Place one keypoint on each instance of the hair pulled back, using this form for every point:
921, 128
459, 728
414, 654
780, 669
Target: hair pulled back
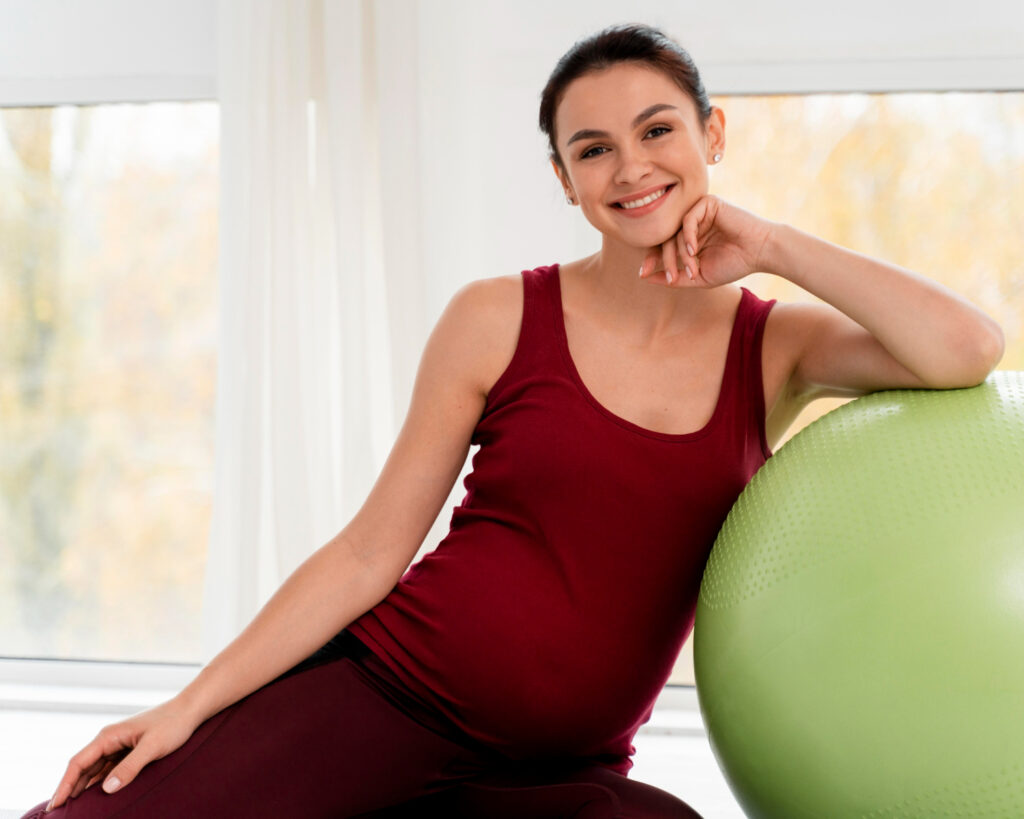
631, 42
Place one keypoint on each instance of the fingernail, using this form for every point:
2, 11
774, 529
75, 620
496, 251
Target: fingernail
112, 784
641, 273
689, 272
49, 807
690, 248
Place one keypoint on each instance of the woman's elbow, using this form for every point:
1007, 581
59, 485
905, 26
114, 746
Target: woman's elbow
992, 347
985, 354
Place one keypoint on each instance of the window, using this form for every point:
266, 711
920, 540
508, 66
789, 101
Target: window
933, 182
108, 303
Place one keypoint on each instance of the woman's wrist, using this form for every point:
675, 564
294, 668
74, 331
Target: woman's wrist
771, 258
190, 700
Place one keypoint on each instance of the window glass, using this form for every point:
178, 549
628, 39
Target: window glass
108, 294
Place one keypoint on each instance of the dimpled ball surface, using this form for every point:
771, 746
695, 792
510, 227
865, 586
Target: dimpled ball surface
859, 636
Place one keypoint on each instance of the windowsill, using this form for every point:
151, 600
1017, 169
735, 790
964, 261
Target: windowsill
127, 688
88, 686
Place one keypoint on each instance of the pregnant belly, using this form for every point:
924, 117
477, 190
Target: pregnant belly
536, 670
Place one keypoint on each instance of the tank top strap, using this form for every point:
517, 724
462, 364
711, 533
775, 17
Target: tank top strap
536, 350
744, 369
540, 303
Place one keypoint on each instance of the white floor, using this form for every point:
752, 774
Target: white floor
672, 753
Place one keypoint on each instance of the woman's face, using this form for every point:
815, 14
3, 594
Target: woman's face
669, 147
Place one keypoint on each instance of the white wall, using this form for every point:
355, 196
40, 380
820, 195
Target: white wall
90, 51
83, 51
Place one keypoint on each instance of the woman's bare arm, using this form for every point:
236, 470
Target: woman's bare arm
331, 588
883, 326
359, 567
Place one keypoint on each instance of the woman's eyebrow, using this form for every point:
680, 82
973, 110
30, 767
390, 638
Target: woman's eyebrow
647, 113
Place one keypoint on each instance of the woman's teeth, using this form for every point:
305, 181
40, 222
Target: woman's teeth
639, 203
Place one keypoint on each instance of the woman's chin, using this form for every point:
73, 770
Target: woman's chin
647, 239
645, 233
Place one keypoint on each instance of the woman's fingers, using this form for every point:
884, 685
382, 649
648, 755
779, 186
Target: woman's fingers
91, 758
85, 777
643, 266
669, 253
107, 768
672, 270
79, 763
687, 252
96, 773
692, 220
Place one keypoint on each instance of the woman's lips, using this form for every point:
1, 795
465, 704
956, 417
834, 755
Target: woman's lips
645, 209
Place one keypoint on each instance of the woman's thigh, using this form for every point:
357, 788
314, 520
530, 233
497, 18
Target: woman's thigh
545, 790
319, 741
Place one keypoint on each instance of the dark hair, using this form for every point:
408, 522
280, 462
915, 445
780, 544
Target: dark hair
632, 42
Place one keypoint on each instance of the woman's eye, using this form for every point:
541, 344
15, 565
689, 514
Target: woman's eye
590, 151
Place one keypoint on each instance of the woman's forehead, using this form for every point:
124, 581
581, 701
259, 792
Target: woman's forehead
613, 96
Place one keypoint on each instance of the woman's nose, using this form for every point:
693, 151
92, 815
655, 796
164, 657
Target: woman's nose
632, 166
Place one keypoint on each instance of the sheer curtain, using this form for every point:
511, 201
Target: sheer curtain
304, 409
372, 161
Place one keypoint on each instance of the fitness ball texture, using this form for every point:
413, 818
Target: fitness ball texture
859, 636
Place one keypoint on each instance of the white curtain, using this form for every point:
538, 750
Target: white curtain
375, 156
305, 412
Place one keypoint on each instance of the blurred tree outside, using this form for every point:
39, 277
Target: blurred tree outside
108, 242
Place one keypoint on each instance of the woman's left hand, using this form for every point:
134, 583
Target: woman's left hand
726, 243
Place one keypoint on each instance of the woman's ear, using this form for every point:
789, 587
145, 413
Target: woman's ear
715, 131
558, 173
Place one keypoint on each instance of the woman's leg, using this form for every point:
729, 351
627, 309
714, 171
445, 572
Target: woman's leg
545, 791
321, 740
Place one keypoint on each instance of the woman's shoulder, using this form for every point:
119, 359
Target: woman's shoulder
494, 306
495, 298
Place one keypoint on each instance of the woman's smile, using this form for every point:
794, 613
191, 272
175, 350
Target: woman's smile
634, 211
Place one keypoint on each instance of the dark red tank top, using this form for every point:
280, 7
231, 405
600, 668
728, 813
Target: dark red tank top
548, 619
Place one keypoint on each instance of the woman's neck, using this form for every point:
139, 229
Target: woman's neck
610, 292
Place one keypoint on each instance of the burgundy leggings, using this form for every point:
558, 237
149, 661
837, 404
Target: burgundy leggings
340, 735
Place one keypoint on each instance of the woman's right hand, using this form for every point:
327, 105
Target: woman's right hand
124, 748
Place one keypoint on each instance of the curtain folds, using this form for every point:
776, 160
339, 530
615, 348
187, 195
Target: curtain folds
304, 388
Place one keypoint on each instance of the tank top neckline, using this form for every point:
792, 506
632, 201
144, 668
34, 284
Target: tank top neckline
570, 365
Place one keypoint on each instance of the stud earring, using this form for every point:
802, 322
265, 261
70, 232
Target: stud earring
569, 199
718, 157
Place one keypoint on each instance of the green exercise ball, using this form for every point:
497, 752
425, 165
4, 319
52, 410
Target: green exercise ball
859, 635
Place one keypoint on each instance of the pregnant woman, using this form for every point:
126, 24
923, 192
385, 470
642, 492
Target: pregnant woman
620, 402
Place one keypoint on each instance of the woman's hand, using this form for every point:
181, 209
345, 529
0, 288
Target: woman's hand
725, 244
152, 734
